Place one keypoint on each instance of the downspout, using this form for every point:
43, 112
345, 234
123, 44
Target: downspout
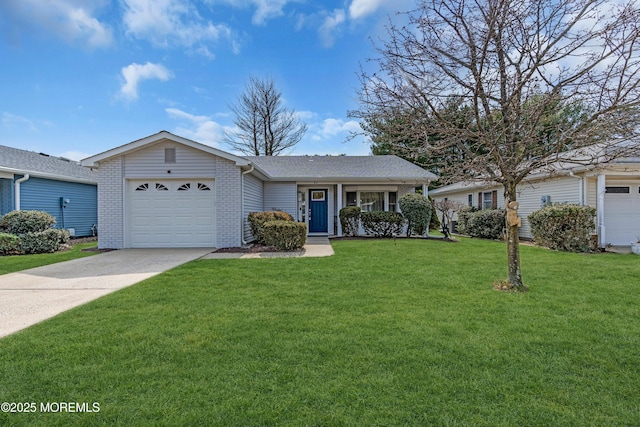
244, 242
581, 189
17, 189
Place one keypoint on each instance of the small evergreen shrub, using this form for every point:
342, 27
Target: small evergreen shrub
285, 235
9, 244
21, 222
488, 224
564, 227
464, 215
417, 212
350, 220
382, 224
43, 241
485, 224
258, 219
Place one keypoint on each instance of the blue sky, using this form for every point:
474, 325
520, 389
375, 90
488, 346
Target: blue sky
78, 77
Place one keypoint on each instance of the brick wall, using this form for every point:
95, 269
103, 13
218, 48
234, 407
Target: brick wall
228, 204
110, 204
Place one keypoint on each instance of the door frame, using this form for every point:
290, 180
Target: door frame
310, 201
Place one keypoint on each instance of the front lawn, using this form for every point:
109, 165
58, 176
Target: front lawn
382, 333
12, 263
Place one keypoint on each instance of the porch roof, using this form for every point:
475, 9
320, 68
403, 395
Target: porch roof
339, 168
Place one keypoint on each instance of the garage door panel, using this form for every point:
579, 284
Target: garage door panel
622, 221
172, 217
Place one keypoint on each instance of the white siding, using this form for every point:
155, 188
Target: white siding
149, 162
253, 199
561, 190
281, 196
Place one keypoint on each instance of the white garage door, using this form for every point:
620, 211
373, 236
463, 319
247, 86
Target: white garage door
622, 214
171, 213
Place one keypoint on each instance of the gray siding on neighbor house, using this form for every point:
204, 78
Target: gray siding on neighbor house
150, 162
81, 213
6, 195
253, 197
281, 196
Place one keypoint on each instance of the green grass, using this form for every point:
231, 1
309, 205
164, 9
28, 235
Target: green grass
385, 334
13, 263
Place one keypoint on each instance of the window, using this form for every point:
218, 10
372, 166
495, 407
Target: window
203, 187
143, 187
317, 196
487, 200
185, 187
393, 197
617, 190
470, 200
161, 187
352, 198
371, 201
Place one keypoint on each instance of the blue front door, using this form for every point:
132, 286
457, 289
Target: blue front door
318, 218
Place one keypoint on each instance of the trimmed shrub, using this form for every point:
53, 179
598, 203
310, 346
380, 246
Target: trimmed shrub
462, 225
44, 241
350, 220
284, 235
21, 222
9, 244
486, 223
382, 224
417, 212
258, 219
564, 227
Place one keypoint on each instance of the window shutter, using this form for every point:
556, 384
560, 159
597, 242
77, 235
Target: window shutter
169, 155
480, 200
494, 199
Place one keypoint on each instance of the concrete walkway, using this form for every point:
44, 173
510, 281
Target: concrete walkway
314, 247
31, 296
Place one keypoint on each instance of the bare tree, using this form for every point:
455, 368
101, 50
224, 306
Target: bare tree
447, 208
511, 67
264, 126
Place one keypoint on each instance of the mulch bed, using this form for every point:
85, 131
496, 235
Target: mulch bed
249, 249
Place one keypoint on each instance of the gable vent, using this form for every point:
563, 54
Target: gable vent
169, 155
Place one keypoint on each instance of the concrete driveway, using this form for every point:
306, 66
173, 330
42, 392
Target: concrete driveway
31, 296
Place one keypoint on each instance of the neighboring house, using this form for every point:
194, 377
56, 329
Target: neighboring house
613, 190
61, 187
169, 191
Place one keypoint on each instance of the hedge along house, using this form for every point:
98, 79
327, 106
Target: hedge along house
169, 191
58, 186
614, 190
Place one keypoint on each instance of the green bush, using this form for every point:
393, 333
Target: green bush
21, 222
486, 224
43, 241
382, 224
9, 244
350, 220
563, 227
417, 212
462, 225
284, 235
258, 219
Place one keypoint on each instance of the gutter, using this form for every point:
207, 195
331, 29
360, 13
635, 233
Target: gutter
17, 189
244, 242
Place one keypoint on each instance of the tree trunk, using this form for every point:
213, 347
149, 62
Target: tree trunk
513, 243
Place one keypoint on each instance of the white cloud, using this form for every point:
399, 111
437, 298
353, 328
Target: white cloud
172, 23
14, 121
362, 8
135, 73
332, 127
198, 128
267, 9
71, 20
330, 26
